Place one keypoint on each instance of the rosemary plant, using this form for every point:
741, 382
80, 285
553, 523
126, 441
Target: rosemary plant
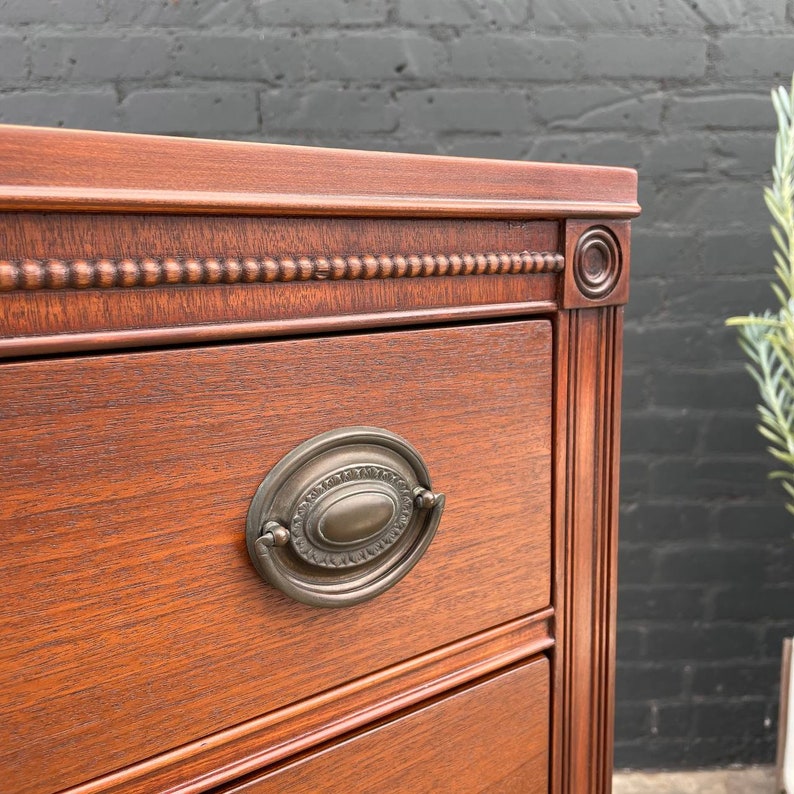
768, 339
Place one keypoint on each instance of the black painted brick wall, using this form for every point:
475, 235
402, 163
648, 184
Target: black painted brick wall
677, 88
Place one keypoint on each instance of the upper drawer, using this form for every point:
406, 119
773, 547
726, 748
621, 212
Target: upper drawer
132, 618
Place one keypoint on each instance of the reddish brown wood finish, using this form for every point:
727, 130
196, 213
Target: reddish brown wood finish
127, 479
495, 739
589, 364
141, 651
48, 319
207, 763
77, 170
597, 255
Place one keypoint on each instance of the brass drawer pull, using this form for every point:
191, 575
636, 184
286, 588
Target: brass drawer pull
343, 517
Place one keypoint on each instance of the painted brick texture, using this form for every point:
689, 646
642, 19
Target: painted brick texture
676, 88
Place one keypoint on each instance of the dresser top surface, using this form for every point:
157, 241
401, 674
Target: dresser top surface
78, 170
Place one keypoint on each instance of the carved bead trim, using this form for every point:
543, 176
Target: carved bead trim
33, 274
597, 262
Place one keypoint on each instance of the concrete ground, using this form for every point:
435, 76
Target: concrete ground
755, 780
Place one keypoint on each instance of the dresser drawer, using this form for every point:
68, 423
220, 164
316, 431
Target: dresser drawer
492, 737
133, 619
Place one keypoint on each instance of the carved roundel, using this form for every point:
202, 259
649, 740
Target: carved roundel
597, 262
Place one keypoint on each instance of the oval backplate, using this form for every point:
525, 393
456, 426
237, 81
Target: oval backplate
349, 524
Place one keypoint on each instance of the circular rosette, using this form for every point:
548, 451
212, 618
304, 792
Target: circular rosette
343, 517
597, 262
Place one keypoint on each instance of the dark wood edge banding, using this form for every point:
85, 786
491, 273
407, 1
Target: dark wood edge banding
33, 274
253, 745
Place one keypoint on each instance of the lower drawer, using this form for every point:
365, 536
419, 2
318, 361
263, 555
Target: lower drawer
492, 737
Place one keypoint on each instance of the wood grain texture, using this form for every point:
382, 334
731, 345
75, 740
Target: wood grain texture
538, 296
35, 235
141, 652
588, 355
214, 760
40, 321
45, 169
126, 483
495, 739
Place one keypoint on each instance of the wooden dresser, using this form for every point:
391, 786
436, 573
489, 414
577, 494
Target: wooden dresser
309, 468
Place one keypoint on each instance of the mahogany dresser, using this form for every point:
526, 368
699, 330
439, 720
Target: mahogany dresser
309, 468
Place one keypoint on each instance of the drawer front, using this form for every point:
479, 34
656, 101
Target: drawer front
132, 617
493, 737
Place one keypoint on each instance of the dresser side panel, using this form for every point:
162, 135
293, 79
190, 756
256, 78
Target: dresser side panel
589, 356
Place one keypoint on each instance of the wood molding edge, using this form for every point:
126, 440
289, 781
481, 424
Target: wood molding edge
45, 169
112, 273
222, 757
590, 359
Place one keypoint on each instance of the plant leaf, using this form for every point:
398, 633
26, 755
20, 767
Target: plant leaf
768, 339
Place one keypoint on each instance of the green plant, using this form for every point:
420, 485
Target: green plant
768, 339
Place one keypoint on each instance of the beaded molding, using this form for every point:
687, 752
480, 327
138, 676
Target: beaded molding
34, 274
